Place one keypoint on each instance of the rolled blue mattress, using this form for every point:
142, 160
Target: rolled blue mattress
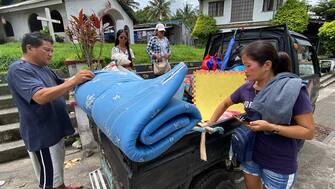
141, 117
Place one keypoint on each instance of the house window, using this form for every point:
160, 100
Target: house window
57, 16
271, 5
215, 8
34, 24
242, 10
9, 29
268, 5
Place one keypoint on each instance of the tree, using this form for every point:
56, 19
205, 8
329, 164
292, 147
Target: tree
159, 9
143, 15
327, 37
325, 9
204, 27
187, 14
9, 2
294, 13
131, 4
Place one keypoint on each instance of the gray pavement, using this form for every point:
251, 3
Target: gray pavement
324, 114
19, 174
316, 166
317, 158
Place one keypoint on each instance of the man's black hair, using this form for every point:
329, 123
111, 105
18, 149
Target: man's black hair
35, 39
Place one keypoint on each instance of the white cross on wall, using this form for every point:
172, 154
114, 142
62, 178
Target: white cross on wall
49, 20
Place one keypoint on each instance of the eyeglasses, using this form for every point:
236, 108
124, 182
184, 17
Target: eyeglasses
122, 37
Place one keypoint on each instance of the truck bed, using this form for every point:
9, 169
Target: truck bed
174, 168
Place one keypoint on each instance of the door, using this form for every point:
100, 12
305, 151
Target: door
308, 67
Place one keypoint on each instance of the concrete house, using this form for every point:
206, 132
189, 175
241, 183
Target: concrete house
21, 18
231, 14
176, 31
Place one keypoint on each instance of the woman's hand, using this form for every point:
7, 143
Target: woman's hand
167, 56
260, 125
303, 129
158, 57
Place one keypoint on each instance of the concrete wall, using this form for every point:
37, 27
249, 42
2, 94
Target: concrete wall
19, 19
2, 33
186, 35
258, 14
120, 16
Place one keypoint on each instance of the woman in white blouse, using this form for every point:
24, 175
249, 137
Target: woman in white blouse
122, 54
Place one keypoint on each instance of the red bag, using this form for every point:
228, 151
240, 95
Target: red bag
208, 63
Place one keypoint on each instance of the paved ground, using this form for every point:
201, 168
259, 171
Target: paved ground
316, 161
324, 114
19, 174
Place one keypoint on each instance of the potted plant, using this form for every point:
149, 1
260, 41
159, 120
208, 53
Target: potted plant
84, 33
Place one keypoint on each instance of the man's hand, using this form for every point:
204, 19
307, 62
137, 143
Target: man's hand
82, 76
47, 94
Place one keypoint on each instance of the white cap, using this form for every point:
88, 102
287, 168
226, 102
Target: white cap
160, 27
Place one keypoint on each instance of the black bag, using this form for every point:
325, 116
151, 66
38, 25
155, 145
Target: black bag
243, 140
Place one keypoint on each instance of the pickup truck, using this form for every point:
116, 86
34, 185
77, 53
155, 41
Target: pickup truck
180, 167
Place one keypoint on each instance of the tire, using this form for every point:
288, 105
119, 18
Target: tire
215, 179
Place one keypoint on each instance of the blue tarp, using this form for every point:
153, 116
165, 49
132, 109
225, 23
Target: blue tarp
139, 116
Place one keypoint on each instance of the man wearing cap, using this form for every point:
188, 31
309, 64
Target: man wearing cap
159, 51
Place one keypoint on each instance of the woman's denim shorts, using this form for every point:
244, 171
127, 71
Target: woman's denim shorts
270, 179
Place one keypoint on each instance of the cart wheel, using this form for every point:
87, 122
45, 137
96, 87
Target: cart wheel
216, 179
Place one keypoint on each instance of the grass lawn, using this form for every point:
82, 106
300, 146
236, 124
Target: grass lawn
12, 51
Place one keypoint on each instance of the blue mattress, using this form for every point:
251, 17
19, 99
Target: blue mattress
139, 116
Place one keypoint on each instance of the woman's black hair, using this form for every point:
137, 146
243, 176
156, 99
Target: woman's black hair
261, 51
119, 32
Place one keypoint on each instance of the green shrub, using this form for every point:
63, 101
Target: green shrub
204, 27
6, 60
327, 38
294, 13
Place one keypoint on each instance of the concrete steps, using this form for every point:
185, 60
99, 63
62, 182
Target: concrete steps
327, 79
9, 132
11, 145
8, 116
6, 101
4, 89
12, 151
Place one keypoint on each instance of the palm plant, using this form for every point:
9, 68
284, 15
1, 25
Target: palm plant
326, 9
188, 15
9, 2
160, 9
131, 4
186, 12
